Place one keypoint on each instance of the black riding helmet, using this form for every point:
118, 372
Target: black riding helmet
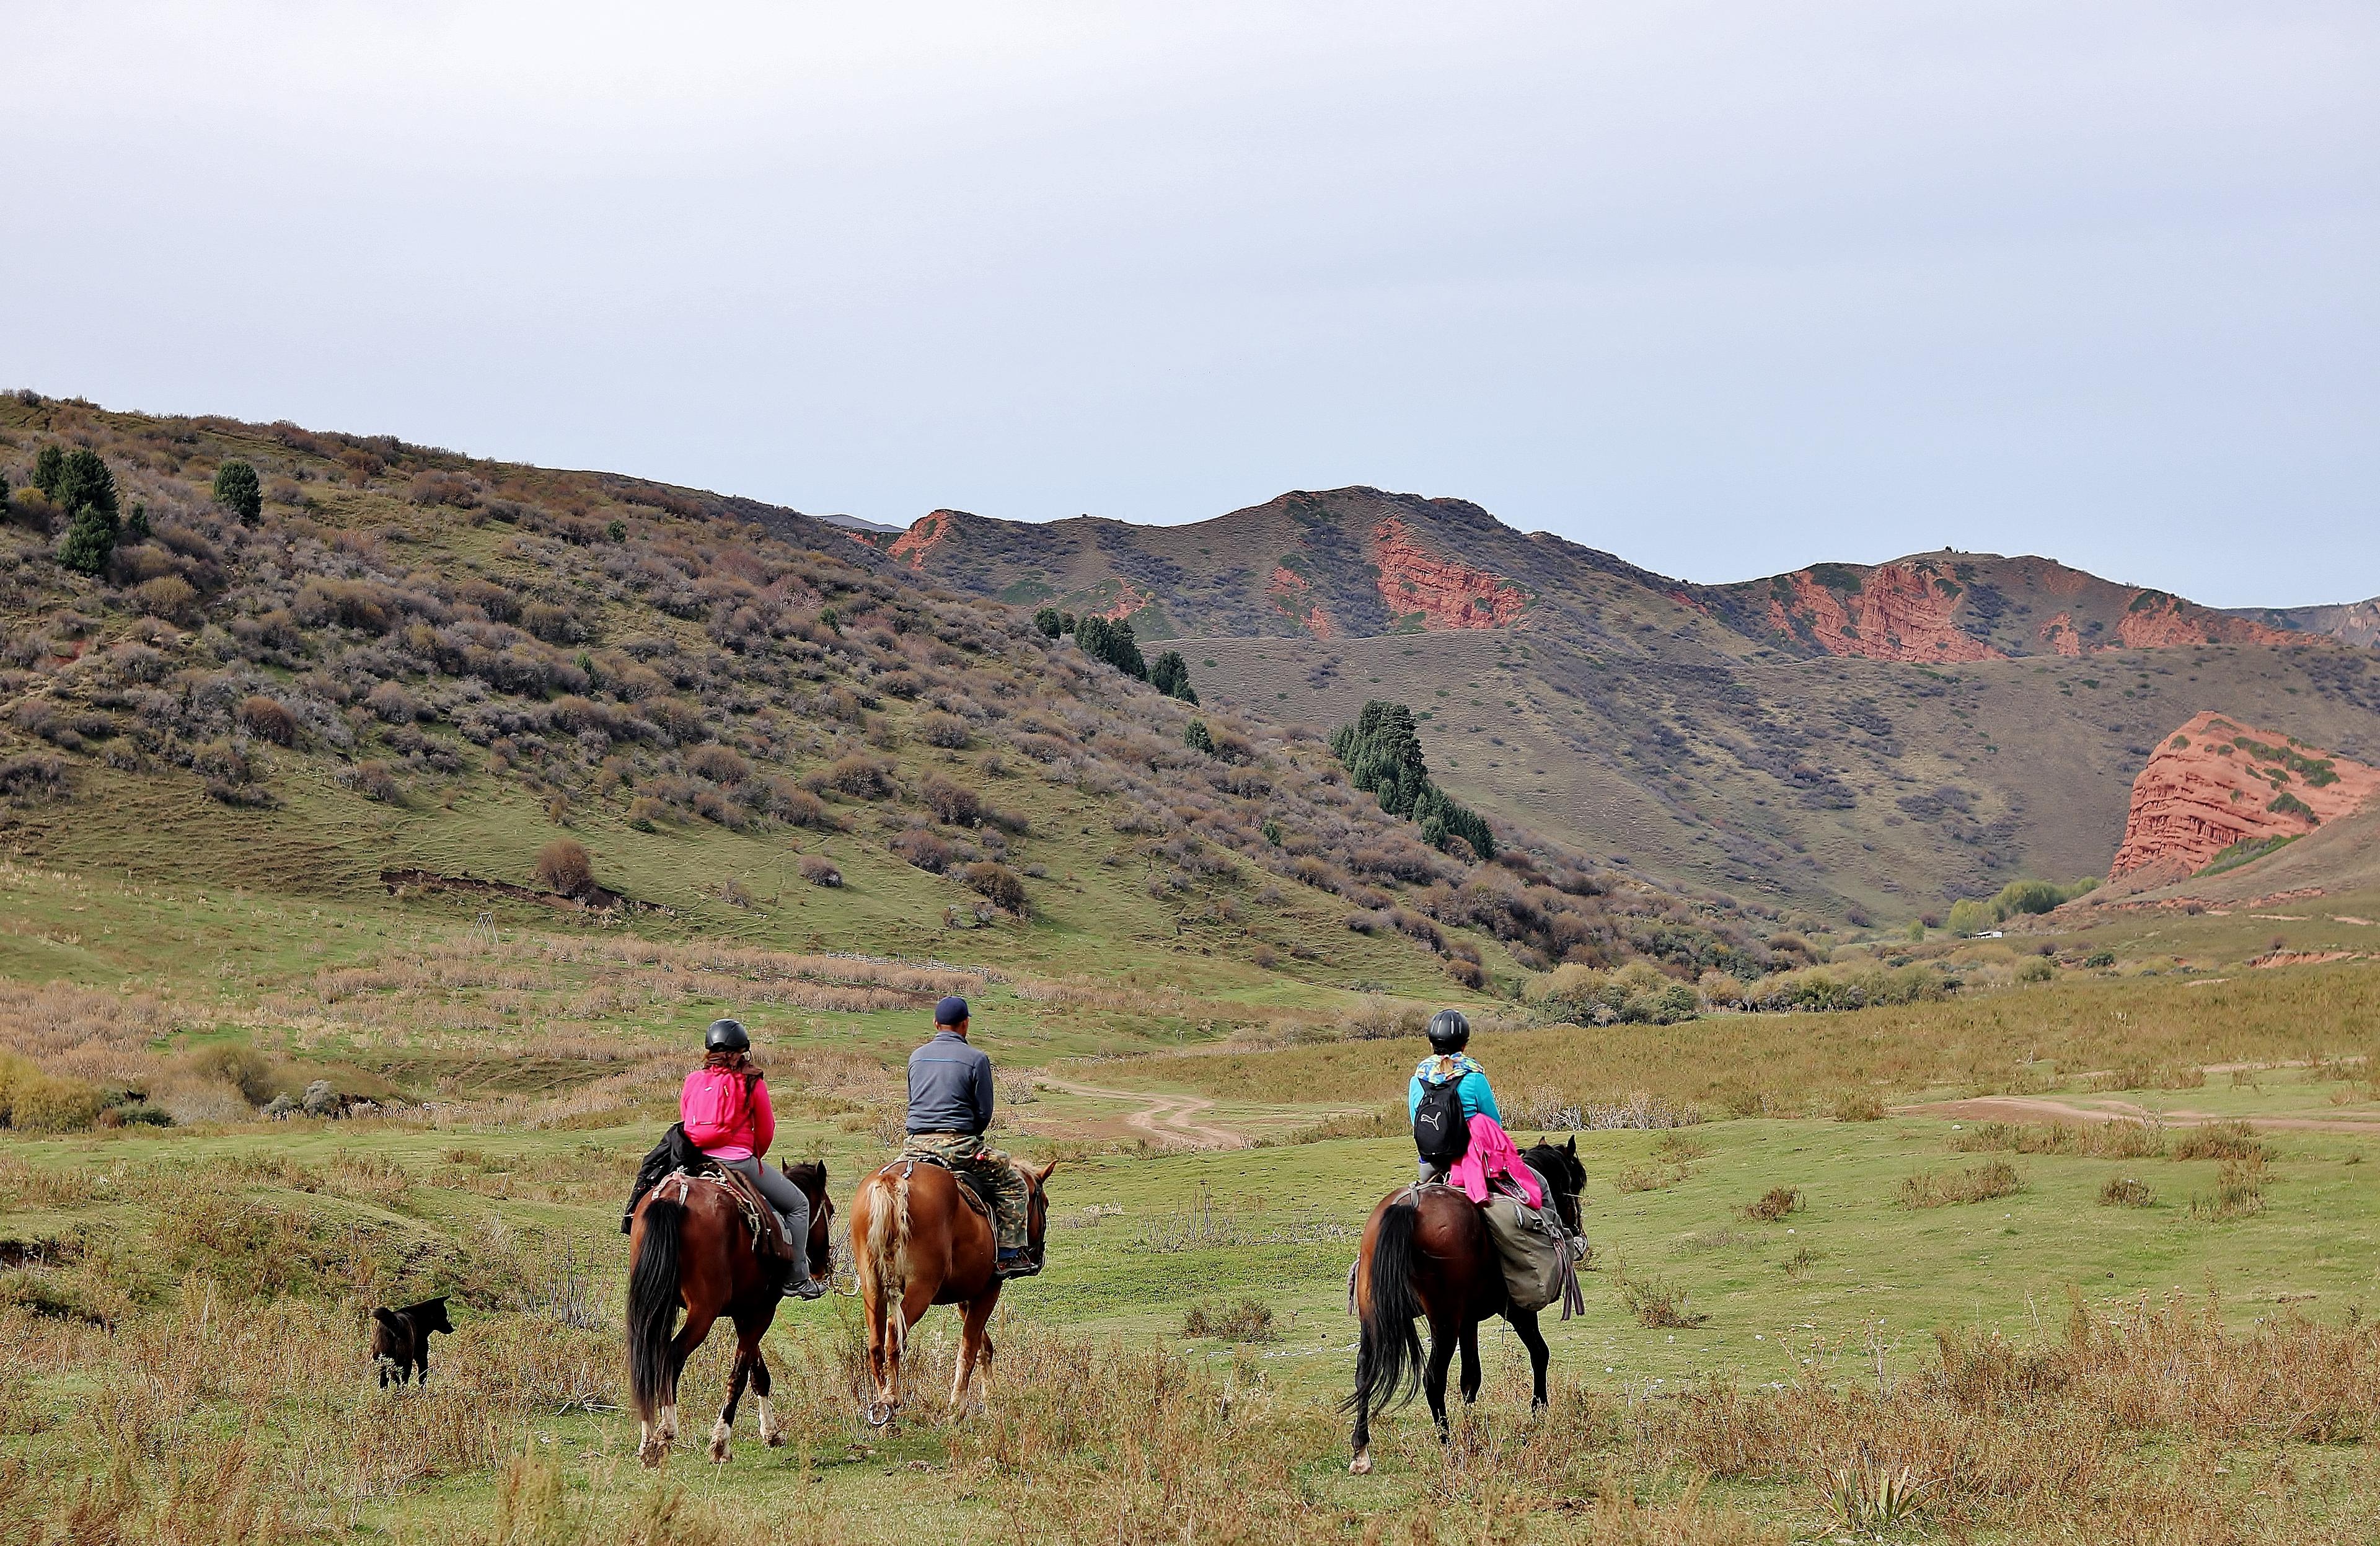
726, 1036
1449, 1031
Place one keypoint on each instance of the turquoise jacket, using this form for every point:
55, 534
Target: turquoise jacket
1477, 1098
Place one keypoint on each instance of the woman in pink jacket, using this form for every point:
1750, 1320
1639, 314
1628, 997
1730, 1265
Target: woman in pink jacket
724, 1108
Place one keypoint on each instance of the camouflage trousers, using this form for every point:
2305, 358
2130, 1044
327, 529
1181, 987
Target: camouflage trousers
1011, 1193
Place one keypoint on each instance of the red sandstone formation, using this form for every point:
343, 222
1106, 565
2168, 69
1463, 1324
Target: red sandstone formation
1293, 593
1448, 594
1129, 600
2215, 782
2059, 634
931, 529
2156, 621
1901, 611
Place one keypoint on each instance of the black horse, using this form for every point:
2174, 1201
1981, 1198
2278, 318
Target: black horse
1427, 1252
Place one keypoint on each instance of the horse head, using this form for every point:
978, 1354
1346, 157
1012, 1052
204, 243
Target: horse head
810, 1177
1565, 1176
1037, 1219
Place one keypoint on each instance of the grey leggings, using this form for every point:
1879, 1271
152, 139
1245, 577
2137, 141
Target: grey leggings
791, 1205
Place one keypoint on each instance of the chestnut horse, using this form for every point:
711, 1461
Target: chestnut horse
917, 1244
1427, 1251
691, 1245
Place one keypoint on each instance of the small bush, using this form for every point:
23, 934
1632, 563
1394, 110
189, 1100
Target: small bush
1243, 1320
563, 865
391, 704
997, 883
168, 596
951, 802
924, 850
2122, 1192
2221, 1140
717, 763
375, 782
267, 720
35, 1100
2239, 1191
947, 731
1774, 1204
1658, 1303
1937, 1190
820, 872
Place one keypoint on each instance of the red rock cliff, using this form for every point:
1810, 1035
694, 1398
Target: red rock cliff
1901, 611
2215, 782
1446, 593
931, 529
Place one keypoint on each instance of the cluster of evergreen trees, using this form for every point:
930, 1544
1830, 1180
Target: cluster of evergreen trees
80, 483
1114, 643
1381, 752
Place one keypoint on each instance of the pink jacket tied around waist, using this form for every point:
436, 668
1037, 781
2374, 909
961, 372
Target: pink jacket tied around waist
1491, 1154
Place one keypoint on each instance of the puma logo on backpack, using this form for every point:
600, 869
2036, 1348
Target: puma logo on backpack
1440, 1132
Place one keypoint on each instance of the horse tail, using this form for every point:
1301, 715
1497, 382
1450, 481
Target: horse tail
652, 1306
1388, 1356
883, 1254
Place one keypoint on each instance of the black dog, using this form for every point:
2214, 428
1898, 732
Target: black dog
400, 1342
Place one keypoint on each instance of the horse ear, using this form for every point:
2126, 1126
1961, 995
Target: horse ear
1041, 1177
1573, 1145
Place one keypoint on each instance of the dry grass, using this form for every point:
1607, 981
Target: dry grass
1247, 1319
1774, 1204
2107, 1140
1934, 1188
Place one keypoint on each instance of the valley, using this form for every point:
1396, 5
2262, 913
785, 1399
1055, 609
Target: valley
371, 860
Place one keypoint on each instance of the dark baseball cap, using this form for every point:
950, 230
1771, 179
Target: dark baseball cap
951, 1010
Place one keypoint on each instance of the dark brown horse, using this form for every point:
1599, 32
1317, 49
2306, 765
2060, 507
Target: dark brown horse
691, 1246
917, 1244
1427, 1251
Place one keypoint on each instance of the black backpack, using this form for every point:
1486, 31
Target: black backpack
1440, 1131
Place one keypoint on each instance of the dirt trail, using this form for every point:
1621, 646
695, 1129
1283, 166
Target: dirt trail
2027, 1108
1172, 1120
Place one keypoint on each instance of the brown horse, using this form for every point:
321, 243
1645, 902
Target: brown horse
1427, 1251
691, 1245
917, 1244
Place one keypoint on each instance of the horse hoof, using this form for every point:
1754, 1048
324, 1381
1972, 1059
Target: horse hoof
879, 1417
651, 1453
773, 1440
719, 1454
1361, 1464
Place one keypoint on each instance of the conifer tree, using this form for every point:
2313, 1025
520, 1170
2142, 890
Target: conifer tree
238, 490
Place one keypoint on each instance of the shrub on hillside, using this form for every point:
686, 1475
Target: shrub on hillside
1002, 886
951, 802
947, 731
820, 872
923, 850
717, 763
169, 597
391, 704
267, 720
563, 865
35, 1100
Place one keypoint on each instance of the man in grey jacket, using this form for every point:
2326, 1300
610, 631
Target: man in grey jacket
949, 1105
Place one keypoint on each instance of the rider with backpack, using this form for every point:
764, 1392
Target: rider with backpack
1448, 1090
725, 1111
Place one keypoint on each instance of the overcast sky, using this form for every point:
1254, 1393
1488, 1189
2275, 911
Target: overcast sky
1723, 288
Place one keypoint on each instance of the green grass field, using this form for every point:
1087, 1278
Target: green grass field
235, 1368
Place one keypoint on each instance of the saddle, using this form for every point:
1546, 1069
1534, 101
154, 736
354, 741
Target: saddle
972, 1187
770, 1242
